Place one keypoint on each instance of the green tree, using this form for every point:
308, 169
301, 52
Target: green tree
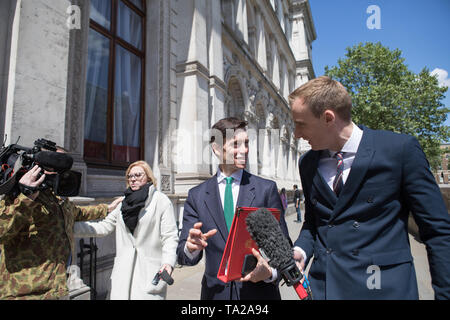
387, 95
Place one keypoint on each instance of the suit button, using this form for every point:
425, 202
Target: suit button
329, 250
330, 225
370, 199
356, 224
314, 201
355, 252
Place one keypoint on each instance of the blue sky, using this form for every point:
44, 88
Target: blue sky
419, 28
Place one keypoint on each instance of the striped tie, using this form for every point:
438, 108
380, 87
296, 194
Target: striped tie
338, 184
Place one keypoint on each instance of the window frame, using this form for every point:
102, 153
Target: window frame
114, 41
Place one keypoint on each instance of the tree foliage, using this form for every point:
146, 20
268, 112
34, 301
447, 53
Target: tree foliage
387, 95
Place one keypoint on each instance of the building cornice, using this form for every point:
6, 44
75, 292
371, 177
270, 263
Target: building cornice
302, 6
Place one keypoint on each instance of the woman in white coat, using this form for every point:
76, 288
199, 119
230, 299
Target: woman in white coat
146, 237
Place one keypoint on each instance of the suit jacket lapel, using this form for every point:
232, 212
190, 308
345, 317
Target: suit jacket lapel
214, 205
246, 191
319, 183
358, 171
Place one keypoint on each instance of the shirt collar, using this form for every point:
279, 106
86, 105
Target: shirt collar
352, 144
237, 176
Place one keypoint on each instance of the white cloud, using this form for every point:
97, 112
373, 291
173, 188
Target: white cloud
442, 76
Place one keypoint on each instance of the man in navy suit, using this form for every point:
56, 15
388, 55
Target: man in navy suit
360, 186
206, 222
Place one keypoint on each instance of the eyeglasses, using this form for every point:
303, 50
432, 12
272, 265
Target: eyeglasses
138, 175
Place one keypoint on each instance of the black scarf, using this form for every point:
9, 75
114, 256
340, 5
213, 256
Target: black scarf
132, 204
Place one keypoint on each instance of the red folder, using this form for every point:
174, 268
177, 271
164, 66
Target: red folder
239, 244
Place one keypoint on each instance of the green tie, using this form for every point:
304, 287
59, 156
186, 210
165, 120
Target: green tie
228, 209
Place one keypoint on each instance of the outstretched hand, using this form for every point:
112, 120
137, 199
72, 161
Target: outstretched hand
115, 203
197, 240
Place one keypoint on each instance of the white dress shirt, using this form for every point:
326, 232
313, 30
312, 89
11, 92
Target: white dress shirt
237, 177
328, 164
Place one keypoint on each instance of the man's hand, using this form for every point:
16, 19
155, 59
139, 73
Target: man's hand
115, 203
262, 270
30, 180
299, 260
198, 240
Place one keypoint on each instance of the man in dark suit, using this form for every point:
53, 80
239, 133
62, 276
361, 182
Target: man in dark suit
360, 186
208, 213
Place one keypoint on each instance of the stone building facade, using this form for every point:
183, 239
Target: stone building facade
442, 173
115, 81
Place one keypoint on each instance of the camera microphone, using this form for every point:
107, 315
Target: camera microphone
53, 161
266, 231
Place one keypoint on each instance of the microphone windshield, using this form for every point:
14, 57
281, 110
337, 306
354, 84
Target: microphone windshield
54, 161
266, 231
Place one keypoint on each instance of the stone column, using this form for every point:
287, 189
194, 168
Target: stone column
7, 13
303, 33
76, 93
37, 85
192, 149
276, 63
252, 143
266, 152
217, 87
241, 20
261, 41
281, 156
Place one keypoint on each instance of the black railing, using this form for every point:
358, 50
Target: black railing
91, 250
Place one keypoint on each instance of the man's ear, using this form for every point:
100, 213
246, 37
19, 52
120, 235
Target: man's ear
329, 116
216, 149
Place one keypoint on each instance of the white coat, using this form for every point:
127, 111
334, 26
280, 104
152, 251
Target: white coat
139, 256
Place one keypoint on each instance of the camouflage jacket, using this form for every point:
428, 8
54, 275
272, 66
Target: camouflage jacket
35, 242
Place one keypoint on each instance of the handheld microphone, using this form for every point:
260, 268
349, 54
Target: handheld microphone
165, 276
266, 231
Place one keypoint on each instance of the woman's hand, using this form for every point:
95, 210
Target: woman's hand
167, 267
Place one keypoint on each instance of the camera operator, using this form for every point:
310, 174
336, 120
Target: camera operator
36, 239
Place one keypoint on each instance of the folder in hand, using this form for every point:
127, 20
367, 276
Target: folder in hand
239, 245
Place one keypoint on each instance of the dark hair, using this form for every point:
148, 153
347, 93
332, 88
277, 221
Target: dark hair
231, 123
283, 190
295, 186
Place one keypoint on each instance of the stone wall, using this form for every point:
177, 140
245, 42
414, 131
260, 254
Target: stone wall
445, 190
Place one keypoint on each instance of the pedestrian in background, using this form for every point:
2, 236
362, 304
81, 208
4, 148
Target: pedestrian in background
297, 202
283, 198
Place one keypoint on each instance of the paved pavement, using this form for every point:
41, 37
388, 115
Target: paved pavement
188, 279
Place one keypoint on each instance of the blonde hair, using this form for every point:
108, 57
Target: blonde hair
324, 93
148, 171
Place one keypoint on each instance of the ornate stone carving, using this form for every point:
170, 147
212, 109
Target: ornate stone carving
165, 183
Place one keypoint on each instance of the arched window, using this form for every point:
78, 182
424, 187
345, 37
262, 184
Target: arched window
115, 83
235, 107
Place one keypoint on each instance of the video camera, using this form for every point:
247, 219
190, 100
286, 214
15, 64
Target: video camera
16, 160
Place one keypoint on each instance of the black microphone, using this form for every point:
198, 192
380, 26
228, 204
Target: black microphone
53, 161
165, 276
266, 231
